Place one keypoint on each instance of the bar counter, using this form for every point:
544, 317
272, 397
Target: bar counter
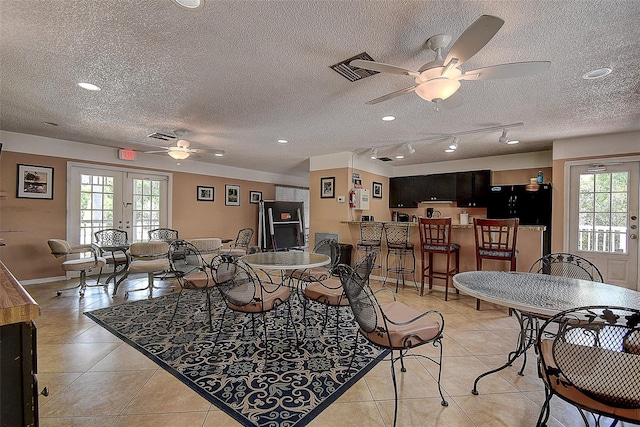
529, 245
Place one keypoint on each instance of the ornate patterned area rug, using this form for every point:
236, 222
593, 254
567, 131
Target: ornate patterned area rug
282, 383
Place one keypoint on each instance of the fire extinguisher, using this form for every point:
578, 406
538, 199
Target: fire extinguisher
352, 199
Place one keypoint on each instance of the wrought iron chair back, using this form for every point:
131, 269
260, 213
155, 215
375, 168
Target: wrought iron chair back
592, 361
111, 237
243, 239
567, 265
163, 234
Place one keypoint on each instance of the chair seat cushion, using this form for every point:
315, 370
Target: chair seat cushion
403, 336
433, 248
83, 264
272, 296
407, 246
573, 394
328, 292
149, 266
496, 253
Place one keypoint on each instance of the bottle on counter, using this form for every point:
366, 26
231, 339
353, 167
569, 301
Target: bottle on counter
540, 177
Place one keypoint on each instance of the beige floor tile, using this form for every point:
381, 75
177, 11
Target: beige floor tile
527, 382
96, 393
77, 421
504, 409
459, 374
482, 342
72, 357
164, 393
353, 414
185, 419
55, 382
358, 392
95, 334
415, 382
423, 412
124, 358
217, 418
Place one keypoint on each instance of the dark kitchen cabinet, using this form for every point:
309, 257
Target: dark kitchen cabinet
437, 187
472, 188
401, 192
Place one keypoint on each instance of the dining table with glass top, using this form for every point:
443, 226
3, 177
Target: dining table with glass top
534, 296
286, 260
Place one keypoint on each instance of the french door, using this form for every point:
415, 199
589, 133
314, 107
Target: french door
102, 197
603, 219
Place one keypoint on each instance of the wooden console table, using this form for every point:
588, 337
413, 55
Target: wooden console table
18, 381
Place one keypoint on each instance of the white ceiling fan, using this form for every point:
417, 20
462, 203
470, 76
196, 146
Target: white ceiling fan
181, 150
439, 80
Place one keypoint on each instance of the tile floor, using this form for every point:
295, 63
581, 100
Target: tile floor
95, 379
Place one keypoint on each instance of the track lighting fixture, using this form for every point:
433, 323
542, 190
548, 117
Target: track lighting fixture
504, 139
374, 153
454, 143
410, 149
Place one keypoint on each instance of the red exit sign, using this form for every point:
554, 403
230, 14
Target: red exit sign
126, 154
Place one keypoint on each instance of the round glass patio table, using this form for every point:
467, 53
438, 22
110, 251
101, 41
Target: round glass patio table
533, 296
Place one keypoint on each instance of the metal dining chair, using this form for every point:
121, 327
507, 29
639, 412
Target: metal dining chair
566, 265
117, 259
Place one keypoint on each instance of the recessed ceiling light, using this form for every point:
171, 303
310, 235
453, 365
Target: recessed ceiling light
283, 141
513, 141
190, 4
88, 86
597, 74
400, 156
389, 118
219, 154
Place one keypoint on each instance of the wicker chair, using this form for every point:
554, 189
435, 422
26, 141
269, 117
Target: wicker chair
592, 362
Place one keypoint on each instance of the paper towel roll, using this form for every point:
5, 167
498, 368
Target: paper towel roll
464, 218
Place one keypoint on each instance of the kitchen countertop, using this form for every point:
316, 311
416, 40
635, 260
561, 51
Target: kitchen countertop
16, 305
453, 226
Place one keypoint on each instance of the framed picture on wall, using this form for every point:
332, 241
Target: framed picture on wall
205, 193
232, 195
255, 196
327, 188
35, 182
376, 191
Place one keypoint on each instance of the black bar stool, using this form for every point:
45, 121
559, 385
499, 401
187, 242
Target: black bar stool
398, 250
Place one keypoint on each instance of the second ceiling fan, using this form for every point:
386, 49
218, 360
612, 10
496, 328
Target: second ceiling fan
439, 80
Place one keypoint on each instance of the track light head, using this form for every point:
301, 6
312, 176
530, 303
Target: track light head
454, 143
410, 149
504, 139
374, 153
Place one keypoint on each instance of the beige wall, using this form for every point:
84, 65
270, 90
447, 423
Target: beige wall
26, 224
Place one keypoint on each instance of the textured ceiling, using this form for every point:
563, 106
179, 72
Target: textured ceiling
238, 75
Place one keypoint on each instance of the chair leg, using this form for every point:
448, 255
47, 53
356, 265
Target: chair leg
82, 284
395, 388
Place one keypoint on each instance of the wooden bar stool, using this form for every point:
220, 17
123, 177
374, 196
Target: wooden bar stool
496, 239
435, 238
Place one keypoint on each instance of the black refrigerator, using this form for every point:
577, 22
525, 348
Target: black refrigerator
532, 207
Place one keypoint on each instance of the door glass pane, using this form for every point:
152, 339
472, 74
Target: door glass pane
603, 207
96, 205
146, 207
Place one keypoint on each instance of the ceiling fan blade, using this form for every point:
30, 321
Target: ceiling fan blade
454, 101
206, 150
382, 68
391, 95
506, 71
474, 38
155, 151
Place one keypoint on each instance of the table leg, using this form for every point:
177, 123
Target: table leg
528, 332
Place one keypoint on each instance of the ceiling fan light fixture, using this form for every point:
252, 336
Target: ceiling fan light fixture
178, 154
189, 4
438, 88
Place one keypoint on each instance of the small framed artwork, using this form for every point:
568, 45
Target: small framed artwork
376, 191
35, 182
255, 196
232, 195
327, 188
205, 194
